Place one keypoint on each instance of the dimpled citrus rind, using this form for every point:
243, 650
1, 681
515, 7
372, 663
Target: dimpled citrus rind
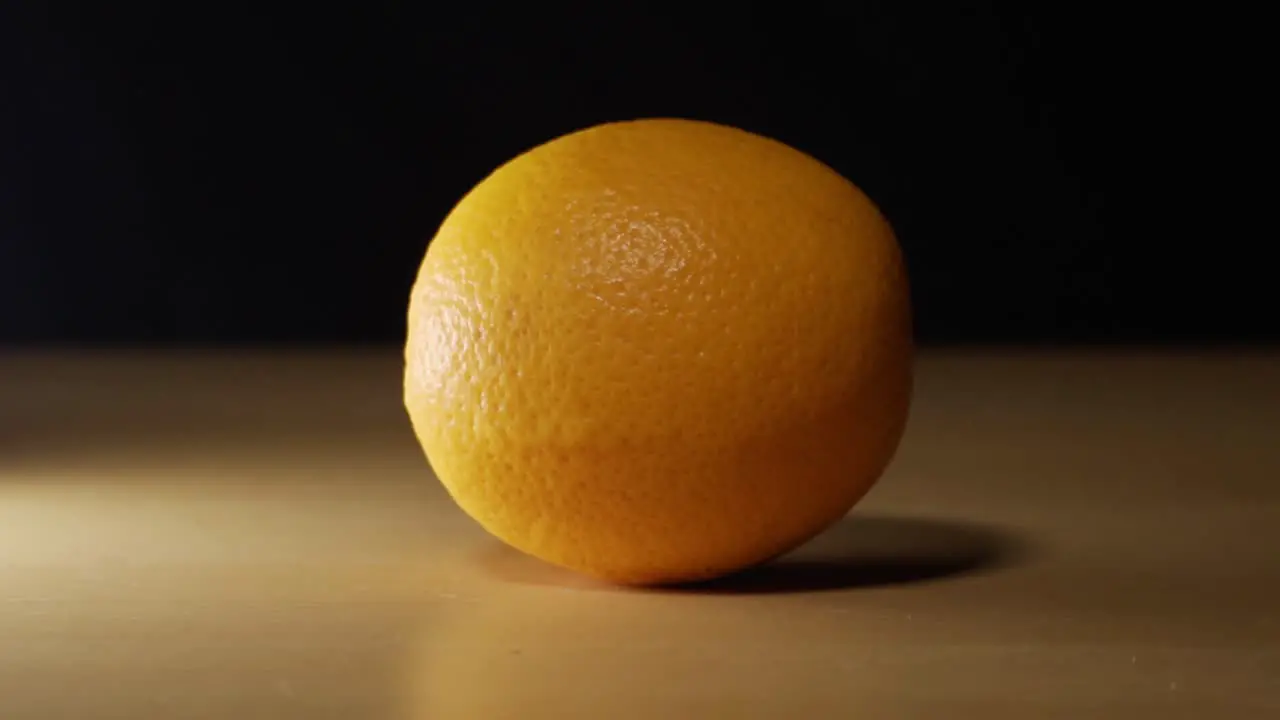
660, 350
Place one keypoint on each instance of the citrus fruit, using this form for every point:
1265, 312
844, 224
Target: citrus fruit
660, 350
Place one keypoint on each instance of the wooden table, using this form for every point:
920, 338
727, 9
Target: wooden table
232, 535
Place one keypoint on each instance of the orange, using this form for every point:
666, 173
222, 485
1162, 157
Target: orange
660, 350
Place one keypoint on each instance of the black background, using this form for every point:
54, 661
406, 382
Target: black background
250, 175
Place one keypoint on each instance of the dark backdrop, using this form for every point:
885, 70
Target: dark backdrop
247, 175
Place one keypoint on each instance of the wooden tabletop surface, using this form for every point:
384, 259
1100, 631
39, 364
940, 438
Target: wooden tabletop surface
1075, 534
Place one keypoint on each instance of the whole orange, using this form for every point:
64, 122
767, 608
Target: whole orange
660, 350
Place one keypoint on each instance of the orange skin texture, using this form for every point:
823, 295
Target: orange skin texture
660, 351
